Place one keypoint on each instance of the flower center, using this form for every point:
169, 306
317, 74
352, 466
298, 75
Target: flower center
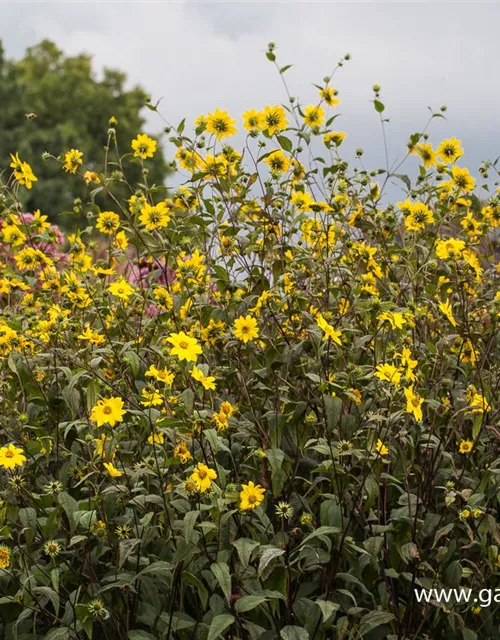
9, 454
107, 410
202, 473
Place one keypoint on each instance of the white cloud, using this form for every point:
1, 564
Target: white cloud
199, 56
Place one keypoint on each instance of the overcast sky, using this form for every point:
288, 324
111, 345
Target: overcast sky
201, 55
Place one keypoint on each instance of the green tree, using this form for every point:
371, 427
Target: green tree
51, 103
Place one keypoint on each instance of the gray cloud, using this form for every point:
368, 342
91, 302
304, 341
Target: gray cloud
199, 56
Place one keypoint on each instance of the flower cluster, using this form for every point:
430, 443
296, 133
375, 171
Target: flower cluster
264, 400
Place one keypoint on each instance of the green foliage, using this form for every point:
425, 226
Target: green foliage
260, 406
52, 103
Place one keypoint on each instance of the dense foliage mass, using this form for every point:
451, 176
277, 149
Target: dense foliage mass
52, 102
260, 405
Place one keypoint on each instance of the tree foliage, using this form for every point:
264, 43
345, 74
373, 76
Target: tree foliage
51, 103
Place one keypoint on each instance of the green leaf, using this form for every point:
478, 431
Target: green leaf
276, 457
126, 548
328, 608
453, 574
291, 632
133, 361
51, 595
244, 547
28, 519
188, 399
285, 143
61, 633
189, 522
198, 585
321, 531
404, 179
443, 532
216, 442
247, 603
158, 567
374, 619
139, 634
379, 107
268, 556
219, 624
221, 572
70, 505
333, 408
285, 68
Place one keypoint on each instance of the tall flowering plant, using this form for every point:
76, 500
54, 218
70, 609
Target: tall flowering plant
258, 405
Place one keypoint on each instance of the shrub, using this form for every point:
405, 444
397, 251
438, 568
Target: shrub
260, 405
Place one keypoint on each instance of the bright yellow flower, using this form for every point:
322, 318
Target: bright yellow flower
154, 216
156, 438
189, 160
414, 403
449, 248
91, 176
143, 146
388, 373
314, 115
181, 452
108, 222
220, 124
447, 309
381, 448
409, 363
22, 172
162, 375
462, 180
465, 446
427, 153
274, 119
334, 137
30, 258
100, 447
479, 404
329, 332
302, 200
108, 411
227, 408
278, 162
112, 470
202, 477
420, 216
121, 289
184, 347
5, 557
246, 328
151, 398
72, 160
163, 297
253, 120
329, 95
93, 337
208, 382
120, 240
11, 457
396, 320
12, 234
251, 496
450, 150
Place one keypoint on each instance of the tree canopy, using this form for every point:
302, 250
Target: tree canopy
51, 103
